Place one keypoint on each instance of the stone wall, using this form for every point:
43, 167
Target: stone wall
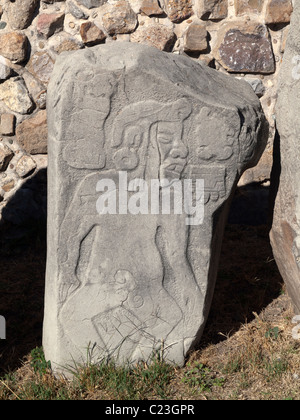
245, 38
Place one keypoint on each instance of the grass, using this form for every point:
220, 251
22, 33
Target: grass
247, 350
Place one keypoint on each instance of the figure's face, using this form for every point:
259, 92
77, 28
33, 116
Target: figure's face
173, 152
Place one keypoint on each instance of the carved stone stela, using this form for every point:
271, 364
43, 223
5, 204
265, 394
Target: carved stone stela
123, 284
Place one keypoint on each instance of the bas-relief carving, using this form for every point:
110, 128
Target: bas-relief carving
118, 284
131, 284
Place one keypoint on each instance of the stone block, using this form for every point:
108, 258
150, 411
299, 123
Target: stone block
49, 24
178, 10
195, 38
285, 233
212, 9
91, 34
91, 4
8, 122
119, 18
244, 7
76, 11
155, 35
14, 46
245, 48
41, 66
32, 133
15, 95
278, 11
5, 69
25, 166
132, 260
6, 154
21, 12
151, 8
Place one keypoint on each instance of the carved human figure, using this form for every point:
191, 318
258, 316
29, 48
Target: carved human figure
133, 273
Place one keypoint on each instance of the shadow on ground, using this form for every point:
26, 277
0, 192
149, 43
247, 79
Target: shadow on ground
22, 271
248, 278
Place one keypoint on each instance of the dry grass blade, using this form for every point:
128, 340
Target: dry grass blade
6, 386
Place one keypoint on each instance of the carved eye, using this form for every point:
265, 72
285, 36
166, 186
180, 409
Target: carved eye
164, 139
165, 132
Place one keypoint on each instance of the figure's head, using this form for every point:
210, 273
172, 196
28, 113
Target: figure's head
172, 149
133, 128
173, 152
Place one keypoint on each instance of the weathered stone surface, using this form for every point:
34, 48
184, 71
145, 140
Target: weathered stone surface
13, 45
119, 18
6, 154
5, 70
8, 185
278, 11
15, 95
285, 233
196, 38
21, 12
178, 10
243, 7
8, 124
76, 11
151, 8
155, 35
91, 34
131, 283
245, 48
49, 24
41, 99
257, 85
212, 9
35, 87
90, 4
32, 133
41, 66
25, 166
68, 45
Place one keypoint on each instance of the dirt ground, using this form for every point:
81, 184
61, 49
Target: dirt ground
249, 293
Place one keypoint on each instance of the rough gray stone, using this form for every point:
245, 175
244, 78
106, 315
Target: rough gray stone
155, 35
257, 85
5, 70
20, 13
131, 283
76, 11
212, 9
91, 4
151, 8
6, 154
285, 233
